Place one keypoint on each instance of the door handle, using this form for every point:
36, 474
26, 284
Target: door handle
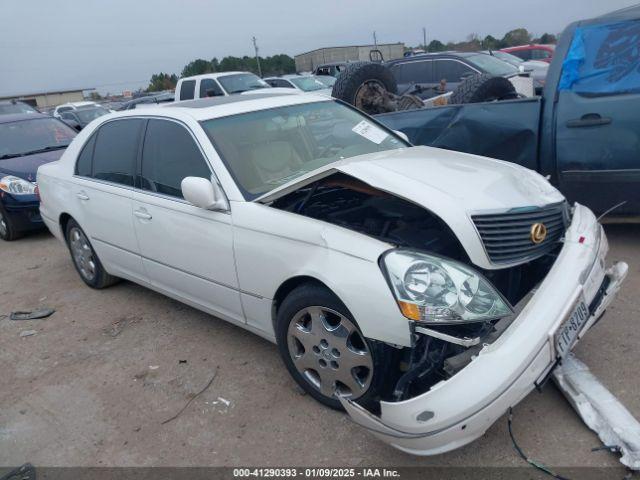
589, 120
82, 196
142, 214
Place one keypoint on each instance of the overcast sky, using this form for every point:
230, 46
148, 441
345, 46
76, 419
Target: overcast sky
113, 45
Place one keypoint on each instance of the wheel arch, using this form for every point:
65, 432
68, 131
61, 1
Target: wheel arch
289, 286
63, 221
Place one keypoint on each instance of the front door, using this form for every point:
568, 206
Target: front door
186, 251
598, 126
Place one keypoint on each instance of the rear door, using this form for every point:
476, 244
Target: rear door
187, 251
597, 121
103, 190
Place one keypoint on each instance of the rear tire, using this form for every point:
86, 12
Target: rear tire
325, 352
356, 75
85, 259
8, 230
483, 88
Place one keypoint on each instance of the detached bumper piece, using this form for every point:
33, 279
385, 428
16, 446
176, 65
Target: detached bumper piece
600, 410
458, 410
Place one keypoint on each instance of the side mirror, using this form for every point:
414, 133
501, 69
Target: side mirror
204, 194
402, 135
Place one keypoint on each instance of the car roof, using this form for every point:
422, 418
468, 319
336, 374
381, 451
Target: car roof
18, 117
423, 56
216, 107
213, 75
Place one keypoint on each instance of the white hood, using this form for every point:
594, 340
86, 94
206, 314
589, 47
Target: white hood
429, 176
452, 185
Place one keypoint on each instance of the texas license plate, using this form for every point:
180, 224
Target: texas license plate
566, 335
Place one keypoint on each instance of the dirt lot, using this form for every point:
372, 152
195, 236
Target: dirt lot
95, 383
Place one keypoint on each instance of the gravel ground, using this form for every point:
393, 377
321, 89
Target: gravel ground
95, 383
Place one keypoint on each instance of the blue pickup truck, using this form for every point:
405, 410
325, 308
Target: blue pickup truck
583, 131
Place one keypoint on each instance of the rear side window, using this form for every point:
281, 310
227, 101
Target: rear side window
187, 90
83, 165
116, 151
169, 155
540, 54
209, 88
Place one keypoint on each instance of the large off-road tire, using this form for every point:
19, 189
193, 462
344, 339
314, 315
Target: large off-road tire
483, 88
85, 259
325, 352
8, 231
356, 75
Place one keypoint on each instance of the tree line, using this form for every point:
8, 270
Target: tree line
473, 42
282, 64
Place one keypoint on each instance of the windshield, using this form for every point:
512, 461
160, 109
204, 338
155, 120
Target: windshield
307, 84
18, 107
327, 80
87, 114
268, 148
241, 82
492, 65
26, 136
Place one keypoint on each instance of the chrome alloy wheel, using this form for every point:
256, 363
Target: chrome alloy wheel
82, 254
329, 352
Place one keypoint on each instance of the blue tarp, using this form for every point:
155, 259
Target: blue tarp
603, 59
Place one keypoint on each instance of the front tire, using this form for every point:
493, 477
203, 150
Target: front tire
324, 350
85, 259
8, 230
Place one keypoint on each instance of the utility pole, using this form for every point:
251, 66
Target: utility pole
255, 46
375, 39
424, 37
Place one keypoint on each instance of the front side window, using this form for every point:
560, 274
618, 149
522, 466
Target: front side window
169, 155
451, 70
540, 54
210, 88
116, 151
187, 90
26, 137
267, 148
242, 82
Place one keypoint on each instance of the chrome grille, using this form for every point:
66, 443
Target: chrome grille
507, 236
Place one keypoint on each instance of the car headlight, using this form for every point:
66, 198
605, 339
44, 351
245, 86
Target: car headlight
441, 291
17, 186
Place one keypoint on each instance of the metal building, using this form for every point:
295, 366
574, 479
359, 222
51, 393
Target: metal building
48, 99
306, 62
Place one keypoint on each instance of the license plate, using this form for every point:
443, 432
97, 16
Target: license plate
566, 335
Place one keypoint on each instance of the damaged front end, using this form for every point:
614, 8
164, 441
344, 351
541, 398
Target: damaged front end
462, 373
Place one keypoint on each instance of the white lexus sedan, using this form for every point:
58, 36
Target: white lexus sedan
423, 291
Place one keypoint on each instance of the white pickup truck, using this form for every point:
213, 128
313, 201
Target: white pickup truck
223, 84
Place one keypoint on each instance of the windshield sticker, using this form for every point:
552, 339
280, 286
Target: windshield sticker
370, 132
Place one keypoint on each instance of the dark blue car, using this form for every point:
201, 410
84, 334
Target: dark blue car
26, 142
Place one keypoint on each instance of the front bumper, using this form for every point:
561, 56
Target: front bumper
459, 410
24, 212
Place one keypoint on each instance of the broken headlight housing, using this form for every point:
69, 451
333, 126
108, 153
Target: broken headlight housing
438, 290
16, 186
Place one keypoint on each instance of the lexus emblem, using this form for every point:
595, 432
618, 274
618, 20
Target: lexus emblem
538, 233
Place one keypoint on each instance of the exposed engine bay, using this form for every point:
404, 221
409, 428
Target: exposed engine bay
350, 203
